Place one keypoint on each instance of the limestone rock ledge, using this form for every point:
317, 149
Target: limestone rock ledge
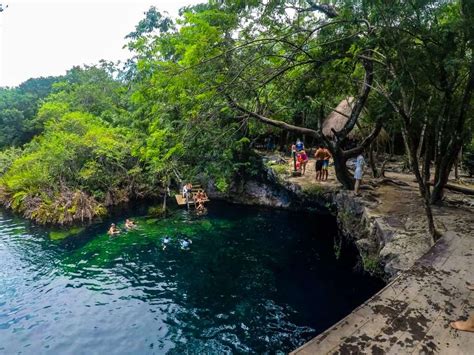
387, 242
384, 241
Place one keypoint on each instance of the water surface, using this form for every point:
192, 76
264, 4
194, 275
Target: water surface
254, 281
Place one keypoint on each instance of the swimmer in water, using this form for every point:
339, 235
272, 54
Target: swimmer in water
166, 241
130, 224
113, 230
185, 243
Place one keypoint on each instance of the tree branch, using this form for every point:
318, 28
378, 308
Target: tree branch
367, 141
360, 102
272, 122
326, 9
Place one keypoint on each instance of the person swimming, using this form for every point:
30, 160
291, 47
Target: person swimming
130, 224
166, 241
113, 230
200, 206
185, 243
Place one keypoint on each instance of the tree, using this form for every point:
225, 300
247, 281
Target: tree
426, 75
18, 107
275, 48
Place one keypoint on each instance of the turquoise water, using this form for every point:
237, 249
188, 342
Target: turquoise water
253, 281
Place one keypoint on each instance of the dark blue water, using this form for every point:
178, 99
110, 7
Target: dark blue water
254, 281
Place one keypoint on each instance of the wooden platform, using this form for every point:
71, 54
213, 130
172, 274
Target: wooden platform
411, 314
181, 201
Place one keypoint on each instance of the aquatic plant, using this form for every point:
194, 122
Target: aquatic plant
62, 234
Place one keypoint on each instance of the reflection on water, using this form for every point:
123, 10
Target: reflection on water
253, 281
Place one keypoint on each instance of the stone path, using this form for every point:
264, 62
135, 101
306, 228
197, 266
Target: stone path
411, 314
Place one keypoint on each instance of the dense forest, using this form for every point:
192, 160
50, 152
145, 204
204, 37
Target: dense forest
202, 88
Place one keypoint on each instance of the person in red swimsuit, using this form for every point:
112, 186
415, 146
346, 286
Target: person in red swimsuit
303, 159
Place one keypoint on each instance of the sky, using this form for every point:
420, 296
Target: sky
47, 37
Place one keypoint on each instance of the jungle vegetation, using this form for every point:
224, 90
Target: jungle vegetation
200, 89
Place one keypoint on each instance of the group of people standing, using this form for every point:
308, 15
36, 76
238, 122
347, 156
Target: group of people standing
323, 156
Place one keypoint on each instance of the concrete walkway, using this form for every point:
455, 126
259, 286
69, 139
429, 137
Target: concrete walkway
411, 314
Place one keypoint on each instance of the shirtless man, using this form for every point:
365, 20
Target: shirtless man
327, 156
130, 224
319, 155
113, 230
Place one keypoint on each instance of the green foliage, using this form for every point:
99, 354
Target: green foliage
79, 152
100, 136
7, 157
314, 190
63, 234
157, 211
280, 169
371, 264
18, 107
468, 158
222, 185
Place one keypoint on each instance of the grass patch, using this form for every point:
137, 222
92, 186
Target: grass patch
315, 190
371, 264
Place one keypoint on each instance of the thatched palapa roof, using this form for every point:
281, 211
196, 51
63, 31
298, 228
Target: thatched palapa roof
338, 117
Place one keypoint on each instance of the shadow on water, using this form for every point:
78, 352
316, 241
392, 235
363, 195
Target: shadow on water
253, 281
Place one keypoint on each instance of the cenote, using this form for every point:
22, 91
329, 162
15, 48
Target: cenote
254, 281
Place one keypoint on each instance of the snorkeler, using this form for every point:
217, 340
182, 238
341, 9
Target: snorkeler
185, 243
166, 241
113, 230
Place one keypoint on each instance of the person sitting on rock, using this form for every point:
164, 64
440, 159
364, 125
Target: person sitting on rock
187, 189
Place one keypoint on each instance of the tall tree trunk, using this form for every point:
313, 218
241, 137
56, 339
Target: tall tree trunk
407, 148
422, 186
456, 169
444, 167
427, 158
342, 173
457, 162
422, 138
372, 164
165, 195
392, 145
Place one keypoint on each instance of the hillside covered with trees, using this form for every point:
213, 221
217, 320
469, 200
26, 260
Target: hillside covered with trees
202, 88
